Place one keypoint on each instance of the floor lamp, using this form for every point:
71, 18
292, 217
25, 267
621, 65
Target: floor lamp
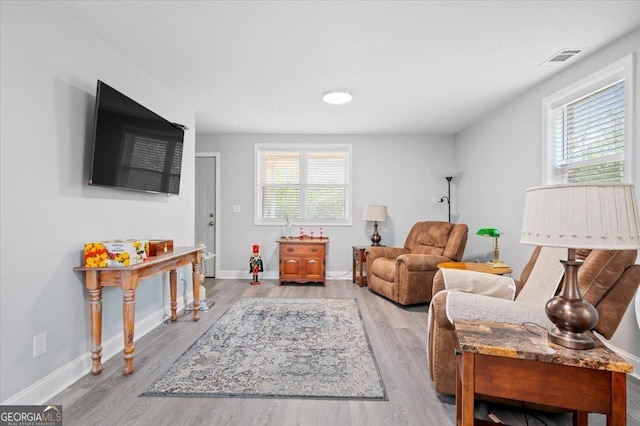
448, 175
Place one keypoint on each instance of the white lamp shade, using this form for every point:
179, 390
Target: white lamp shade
589, 216
449, 173
375, 213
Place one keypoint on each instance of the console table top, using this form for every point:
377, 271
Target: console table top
177, 252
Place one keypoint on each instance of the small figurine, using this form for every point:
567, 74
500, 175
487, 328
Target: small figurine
255, 264
288, 224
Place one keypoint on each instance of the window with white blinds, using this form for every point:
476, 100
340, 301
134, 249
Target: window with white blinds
588, 137
307, 184
588, 129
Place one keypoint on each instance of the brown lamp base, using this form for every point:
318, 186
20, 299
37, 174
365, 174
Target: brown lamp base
375, 238
569, 312
571, 340
496, 263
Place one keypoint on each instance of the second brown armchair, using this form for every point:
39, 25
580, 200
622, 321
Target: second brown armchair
608, 279
405, 274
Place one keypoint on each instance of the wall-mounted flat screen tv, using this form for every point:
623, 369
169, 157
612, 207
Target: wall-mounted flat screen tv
133, 147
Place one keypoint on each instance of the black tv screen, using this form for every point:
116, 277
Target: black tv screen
133, 147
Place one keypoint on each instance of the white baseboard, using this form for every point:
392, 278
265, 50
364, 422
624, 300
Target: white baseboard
244, 275
49, 386
273, 275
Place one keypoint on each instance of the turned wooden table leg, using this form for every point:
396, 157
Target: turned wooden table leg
95, 317
173, 290
129, 284
196, 287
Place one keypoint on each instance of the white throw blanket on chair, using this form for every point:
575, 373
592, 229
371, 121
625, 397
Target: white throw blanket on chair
479, 283
529, 306
545, 277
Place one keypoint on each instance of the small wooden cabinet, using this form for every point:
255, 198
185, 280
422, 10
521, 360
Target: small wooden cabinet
303, 259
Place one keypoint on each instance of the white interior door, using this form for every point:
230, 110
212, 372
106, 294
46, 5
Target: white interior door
206, 210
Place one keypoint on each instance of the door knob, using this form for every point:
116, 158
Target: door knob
211, 223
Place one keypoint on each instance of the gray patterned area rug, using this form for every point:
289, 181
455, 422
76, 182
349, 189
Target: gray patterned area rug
279, 348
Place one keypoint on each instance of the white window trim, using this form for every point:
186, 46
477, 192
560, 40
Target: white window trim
293, 147
622, 68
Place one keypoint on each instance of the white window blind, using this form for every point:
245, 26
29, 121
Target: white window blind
589, 128
588, 137
308, 184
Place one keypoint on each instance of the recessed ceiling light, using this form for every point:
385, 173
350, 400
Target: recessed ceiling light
337, 98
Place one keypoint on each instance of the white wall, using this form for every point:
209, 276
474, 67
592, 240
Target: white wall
401, 172
49, 69
500, 156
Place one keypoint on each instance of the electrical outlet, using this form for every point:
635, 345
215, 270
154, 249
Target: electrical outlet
236, 208
39, 344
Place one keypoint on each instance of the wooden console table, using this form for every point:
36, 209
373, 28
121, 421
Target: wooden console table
517, 362
128, 278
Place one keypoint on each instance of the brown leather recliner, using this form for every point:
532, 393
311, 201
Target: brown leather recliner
608, 279
405, 274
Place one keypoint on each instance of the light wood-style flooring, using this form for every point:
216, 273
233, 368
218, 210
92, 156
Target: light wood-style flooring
398, 338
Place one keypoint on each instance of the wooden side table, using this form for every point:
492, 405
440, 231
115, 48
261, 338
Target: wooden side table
474, 266
518, 362
360, 259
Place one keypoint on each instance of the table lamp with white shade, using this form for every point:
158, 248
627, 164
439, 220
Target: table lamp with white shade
579, 216
374, 213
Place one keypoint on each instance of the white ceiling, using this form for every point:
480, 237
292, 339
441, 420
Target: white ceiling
412, 67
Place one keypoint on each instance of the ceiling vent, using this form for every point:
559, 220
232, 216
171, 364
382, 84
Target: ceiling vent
562, 56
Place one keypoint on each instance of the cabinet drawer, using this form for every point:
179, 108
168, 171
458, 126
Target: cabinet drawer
302, 250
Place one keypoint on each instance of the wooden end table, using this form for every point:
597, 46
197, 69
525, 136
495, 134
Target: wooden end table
474, 266
518, 362
360, 259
